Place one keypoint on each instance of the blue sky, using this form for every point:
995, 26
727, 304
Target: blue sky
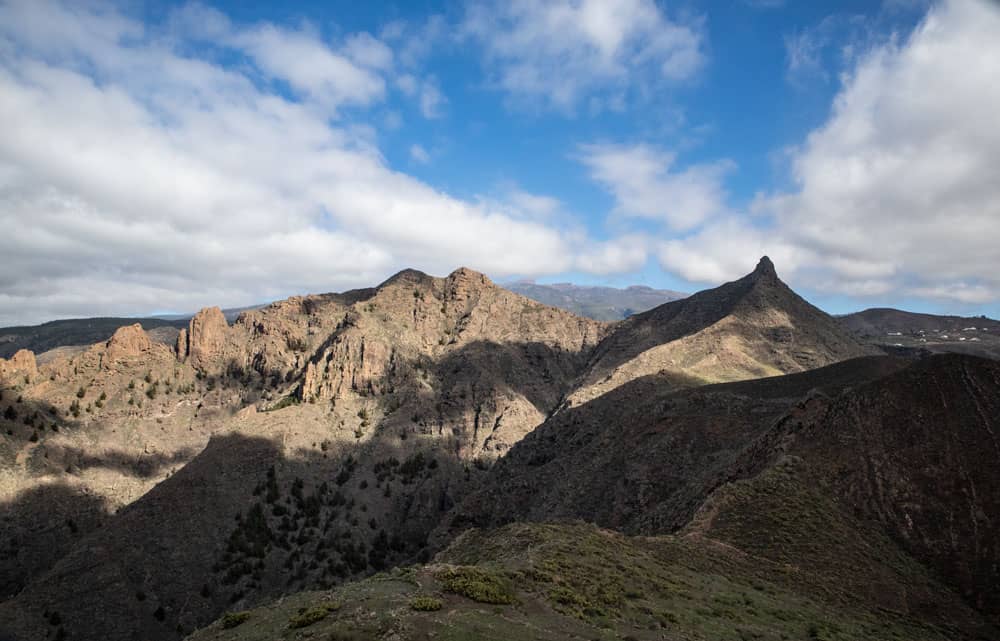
174, 155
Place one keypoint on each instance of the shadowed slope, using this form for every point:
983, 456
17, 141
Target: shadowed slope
913, 452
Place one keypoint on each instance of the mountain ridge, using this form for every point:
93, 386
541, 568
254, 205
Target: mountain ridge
386, 418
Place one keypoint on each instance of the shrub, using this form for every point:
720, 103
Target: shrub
233, 619
81, 392
477, 584
311, 615
426, 604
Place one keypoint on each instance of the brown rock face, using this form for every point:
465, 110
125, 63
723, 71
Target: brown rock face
182, 345
206, 336
129, 341
22, 362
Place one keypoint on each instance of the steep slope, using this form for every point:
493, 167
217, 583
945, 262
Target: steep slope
912, 453
599, 303
749, 328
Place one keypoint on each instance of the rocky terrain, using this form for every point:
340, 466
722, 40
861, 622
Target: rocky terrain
600, 303
758, 465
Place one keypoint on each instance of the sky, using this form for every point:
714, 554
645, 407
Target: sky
160, 157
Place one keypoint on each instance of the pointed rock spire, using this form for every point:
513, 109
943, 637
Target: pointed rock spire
765, 268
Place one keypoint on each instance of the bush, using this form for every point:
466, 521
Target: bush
233, 619
312, 615
81, 392
426, 604
477, 584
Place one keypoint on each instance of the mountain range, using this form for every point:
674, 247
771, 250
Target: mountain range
444, 458
599, 303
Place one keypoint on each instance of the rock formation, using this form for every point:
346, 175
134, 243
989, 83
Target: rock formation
21, 363
206, 337
127, 342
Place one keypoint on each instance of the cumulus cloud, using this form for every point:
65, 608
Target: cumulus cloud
136, 176
641, 179
897, 191
556, 53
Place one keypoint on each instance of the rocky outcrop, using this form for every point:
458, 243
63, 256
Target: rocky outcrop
206, 337
181, 347
21, 363
127, 342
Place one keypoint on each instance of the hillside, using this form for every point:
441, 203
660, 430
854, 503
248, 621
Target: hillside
908, 449
893, 328
599, 303
749, 328
575, 581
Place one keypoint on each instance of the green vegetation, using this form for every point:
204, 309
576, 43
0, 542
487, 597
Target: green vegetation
286, 401
478, 584
309, 616
426, 603
233, 619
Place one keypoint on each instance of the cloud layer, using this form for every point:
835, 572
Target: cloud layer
897, 192
137, 174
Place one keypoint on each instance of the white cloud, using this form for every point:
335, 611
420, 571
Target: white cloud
640, 178
623, 254
897, 191
134, 177
557, 52
419, 154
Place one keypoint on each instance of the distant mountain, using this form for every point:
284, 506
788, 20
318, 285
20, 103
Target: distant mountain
893, 328
600, 303
75, 332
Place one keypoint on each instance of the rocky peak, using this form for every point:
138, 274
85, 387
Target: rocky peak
130, 340
765, 268
409, 277
465, 285
206, 336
